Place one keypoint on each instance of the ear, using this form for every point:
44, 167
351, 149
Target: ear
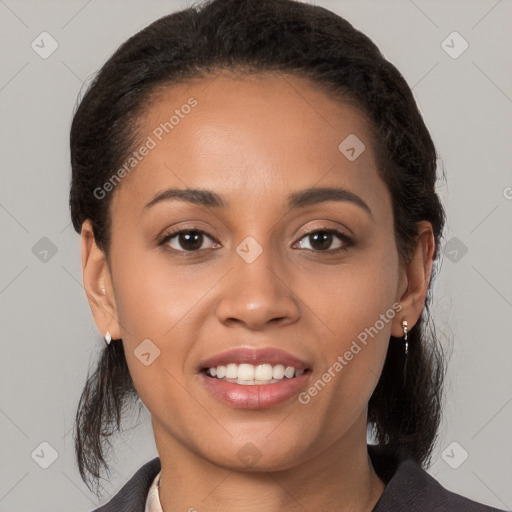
416, 278
96, 277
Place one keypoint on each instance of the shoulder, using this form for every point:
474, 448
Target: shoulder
409, 488
133, 495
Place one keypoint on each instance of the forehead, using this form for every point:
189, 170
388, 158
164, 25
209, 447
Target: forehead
250, 137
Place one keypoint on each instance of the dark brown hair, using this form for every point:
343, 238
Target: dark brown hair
248, 36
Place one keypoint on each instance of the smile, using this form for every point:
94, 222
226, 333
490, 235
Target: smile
249, 375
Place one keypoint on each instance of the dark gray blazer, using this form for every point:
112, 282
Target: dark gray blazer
409, 488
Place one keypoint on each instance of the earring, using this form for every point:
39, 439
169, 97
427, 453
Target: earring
108, 338
406, 344
406, 347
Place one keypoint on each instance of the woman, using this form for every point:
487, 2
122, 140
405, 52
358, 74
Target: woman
255, 191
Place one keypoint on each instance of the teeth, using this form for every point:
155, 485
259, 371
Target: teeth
278, 371
289, 372
249, 374
231, 371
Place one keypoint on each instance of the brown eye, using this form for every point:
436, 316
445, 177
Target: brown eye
186, 240
322, 240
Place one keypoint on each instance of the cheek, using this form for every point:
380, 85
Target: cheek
156, 298
155, 309
351, 296
359, 325
355, 304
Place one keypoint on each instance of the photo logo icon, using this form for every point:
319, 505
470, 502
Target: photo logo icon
44, 455
455, 249
44, 250
351, 147
44, 45
146, 352
454, 45
249, 250
249, 454
454, 455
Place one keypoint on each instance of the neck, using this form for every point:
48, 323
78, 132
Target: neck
339, 478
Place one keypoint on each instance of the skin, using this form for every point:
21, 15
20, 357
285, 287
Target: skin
255, 140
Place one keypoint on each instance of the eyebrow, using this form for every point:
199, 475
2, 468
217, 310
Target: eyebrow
298, 199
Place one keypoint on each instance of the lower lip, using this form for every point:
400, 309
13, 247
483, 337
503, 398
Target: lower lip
258, 396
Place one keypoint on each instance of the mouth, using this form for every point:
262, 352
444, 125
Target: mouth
255, 393
247, 374
247, 378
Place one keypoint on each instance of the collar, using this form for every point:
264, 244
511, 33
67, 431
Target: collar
153, 501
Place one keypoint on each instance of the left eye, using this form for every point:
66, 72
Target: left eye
322, 239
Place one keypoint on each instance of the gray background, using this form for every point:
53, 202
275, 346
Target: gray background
47, 333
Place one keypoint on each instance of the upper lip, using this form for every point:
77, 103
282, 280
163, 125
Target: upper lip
255, 357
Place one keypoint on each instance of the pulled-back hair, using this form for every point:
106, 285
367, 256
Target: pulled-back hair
251, 36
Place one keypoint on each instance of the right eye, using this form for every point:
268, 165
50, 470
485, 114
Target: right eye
185, 240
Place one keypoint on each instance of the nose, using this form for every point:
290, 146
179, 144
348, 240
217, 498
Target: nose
256, 294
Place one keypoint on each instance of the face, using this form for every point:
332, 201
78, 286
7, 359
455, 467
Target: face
262, 264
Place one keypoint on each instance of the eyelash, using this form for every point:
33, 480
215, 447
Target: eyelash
347, 241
